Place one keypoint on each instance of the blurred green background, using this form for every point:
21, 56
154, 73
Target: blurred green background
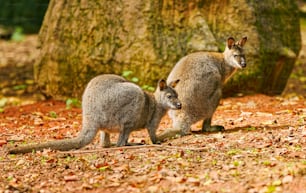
27, 14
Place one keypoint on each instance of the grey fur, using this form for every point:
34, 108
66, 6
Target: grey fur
114, 105
202, 75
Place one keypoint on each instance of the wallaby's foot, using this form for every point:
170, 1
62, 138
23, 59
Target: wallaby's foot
213, 128
170, 134
104, 139
106, 145
207, 127
158, 142
153, 136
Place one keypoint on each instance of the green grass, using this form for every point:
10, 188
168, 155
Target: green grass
233, 152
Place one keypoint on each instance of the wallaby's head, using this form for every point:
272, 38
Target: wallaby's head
234, 54
167, 96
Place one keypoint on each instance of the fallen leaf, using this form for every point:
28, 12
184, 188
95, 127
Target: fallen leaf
245, 114
287, 179
263, 114
282, 112
194, 181
264, 145
277, 183
297, 155
114, 184
269, 122
153, 188
214, 175
124, 168
2, 142
38, 121
16, 138
20, 162
240, 119
71, 178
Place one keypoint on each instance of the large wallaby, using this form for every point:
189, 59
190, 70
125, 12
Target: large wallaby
112, 104
202, 75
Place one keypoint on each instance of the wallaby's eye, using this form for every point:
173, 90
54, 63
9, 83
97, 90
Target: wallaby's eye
236, 55
169, 96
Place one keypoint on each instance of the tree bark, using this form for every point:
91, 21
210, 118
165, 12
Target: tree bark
80, 39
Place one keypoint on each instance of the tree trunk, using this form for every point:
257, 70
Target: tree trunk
80, 39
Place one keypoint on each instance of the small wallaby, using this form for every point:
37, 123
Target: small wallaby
202, 75
112, 104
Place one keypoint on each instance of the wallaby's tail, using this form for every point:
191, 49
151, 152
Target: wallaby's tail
84, 138
62, 145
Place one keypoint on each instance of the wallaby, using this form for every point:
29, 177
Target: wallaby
112, 104
202, 75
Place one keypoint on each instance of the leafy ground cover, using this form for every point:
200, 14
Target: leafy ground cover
262, 150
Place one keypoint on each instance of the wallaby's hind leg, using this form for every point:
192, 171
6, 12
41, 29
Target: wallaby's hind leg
105, 139
152, 134
123, 137
214, 102
207, 127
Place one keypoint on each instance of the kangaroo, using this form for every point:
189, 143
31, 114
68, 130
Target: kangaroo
112, 104
202, 75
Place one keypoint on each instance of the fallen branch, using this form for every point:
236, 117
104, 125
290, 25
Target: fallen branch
160, 147
6, 161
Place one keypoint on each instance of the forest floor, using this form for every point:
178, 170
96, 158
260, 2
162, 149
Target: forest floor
263, 148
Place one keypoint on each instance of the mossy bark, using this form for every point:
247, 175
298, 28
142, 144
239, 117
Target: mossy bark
277, 24
80, 39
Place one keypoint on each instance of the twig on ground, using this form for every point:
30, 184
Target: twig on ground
161, 147
6, 161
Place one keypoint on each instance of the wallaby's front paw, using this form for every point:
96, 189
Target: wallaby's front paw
107, 145
213, 128
184, 133
154, 140
157, 143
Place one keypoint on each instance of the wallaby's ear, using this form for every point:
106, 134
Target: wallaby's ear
174, 83
230, 42
242, 41
162, 84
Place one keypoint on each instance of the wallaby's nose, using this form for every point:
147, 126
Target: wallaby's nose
178, 105
243, 64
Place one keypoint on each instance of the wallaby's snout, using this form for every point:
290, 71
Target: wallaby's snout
175, 105
178, 105
243, 63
